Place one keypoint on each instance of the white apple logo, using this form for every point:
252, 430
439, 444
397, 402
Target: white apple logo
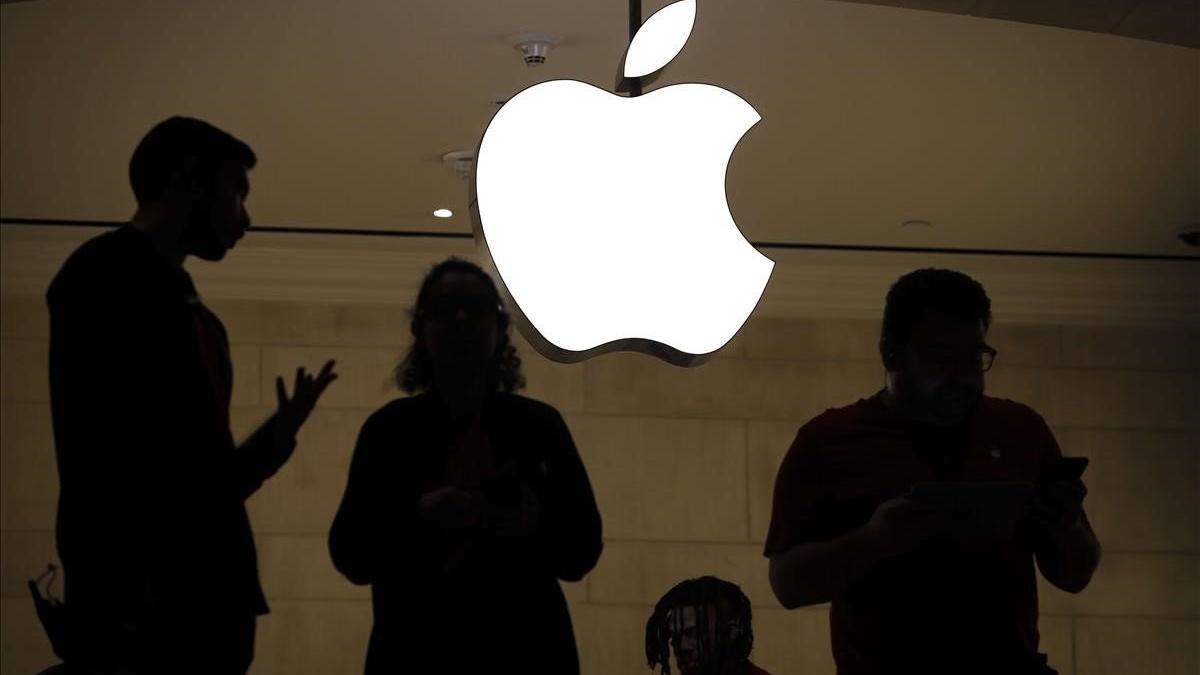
605, 217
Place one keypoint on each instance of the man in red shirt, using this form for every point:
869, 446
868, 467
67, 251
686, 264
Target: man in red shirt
915, 587
706, 621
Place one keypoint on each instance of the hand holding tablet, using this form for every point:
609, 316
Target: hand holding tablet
990, 509
995, 508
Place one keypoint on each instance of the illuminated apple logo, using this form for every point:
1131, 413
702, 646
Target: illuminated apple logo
605, 217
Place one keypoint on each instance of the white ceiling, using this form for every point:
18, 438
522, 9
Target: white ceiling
1004, 135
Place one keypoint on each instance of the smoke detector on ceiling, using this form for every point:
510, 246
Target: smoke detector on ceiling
461, 161
533, 47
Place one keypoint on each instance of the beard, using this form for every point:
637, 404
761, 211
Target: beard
202, 237
208, 248
944, 400
212, 231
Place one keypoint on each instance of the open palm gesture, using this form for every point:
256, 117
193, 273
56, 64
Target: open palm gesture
294, 410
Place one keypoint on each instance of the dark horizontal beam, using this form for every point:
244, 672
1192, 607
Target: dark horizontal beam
776, 245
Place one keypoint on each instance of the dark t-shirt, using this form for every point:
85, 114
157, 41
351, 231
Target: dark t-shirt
949, 605
473, 600
152, 528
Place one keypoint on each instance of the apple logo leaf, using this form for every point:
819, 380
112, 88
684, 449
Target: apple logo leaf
660, 38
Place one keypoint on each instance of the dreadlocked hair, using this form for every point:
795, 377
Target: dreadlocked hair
717, 603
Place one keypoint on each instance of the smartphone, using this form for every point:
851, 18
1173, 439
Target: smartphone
1066, 469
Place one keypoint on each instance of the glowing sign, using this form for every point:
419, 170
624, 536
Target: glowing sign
606, 219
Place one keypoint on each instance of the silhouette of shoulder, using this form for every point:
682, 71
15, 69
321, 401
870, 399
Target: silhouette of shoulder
510, 405
107, 262
396, 411
527, 407
836, 423
865, 415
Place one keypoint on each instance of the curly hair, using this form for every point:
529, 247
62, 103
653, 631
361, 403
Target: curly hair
947, 292
710, 596
414, 373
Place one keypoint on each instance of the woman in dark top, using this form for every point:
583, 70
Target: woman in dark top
466, 503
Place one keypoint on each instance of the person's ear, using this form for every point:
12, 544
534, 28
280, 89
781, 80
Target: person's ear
887, 351
185, 181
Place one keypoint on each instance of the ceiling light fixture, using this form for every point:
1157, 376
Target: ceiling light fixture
443, 213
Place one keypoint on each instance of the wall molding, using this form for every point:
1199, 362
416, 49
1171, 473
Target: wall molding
295, 267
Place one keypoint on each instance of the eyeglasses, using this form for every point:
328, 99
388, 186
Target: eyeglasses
980, 360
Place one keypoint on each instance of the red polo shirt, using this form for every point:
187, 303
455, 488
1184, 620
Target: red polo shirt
948, 606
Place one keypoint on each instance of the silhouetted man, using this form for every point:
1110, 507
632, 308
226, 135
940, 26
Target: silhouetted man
915, 586
152, 531
706, 622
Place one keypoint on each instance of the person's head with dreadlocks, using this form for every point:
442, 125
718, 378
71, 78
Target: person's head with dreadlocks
706, 622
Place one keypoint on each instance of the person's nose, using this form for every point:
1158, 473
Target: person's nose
957, 368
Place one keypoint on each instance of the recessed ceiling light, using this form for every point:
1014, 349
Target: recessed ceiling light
443, 213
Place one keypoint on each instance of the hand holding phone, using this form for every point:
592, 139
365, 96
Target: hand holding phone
1058, 504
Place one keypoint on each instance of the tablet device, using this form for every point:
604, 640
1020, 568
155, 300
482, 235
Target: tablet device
984, 508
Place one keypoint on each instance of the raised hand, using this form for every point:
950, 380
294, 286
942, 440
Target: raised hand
294, 411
